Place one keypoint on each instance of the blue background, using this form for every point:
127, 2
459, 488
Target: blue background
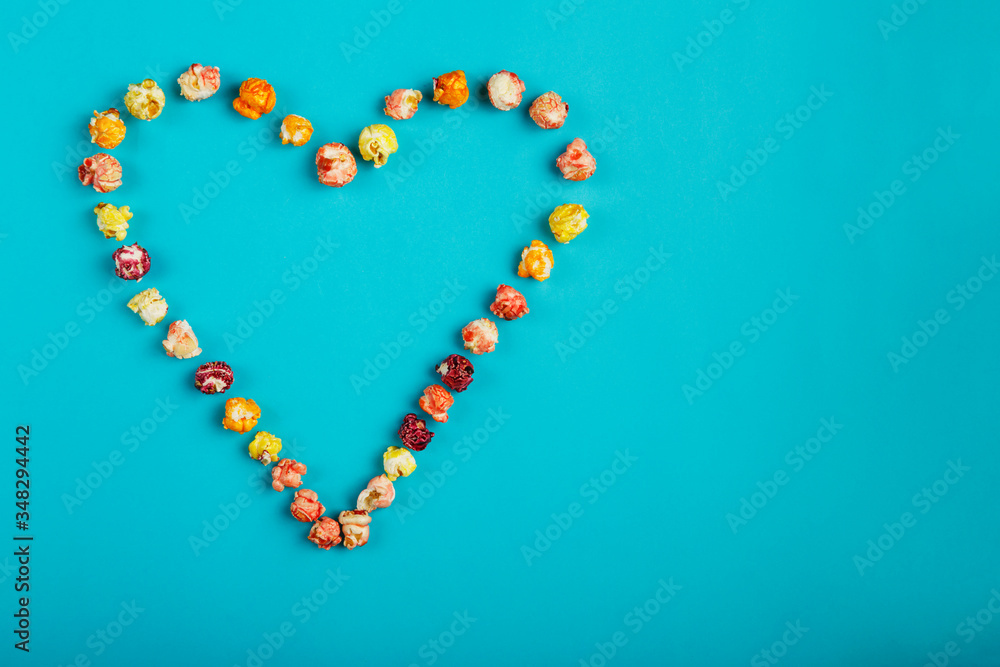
456, 219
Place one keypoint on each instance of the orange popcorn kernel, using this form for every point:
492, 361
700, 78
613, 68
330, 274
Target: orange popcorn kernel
451, 89
256, 98
241, 414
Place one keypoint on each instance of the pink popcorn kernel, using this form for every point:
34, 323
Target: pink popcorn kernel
577, 164
131, 262
414, 433
287, 473
335, 165
504, 89
402, 103
509, 303
378, 494
102, 171
213, 377
354, 525
325, 533
480, 336
456, 372
306, 506
548, 111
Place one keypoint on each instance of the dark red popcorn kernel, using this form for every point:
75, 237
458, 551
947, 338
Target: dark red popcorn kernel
414, 433
213, 377
456, 372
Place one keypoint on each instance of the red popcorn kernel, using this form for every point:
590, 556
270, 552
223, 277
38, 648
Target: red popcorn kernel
288, 473
335, 166
435, 402
480, 336
548, 111
325, 533
509, 303
131, 262
306, 506
102, 171
379, 494
213, 377
577, 164
354, 524
456, 372
414, 433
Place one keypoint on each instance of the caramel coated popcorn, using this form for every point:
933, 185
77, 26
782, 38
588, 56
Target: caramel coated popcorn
480, 336
536, 261
295, 130
256, 98
107, 129
145, 100
241, 414
451, 89
113, 221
